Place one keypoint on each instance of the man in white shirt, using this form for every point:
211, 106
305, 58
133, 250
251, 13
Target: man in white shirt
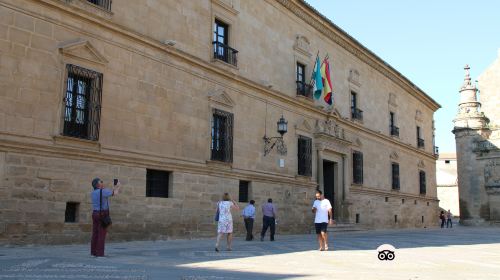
324, 216
248, 214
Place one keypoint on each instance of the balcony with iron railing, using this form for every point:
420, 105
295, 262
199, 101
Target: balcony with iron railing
304, 89
436, 151
225, 53
420, 143
394, 130
356, 114
104, 4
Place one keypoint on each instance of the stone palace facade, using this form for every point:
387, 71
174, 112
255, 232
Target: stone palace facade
174, 98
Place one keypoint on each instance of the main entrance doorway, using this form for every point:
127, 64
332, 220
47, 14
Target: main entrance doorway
329, 174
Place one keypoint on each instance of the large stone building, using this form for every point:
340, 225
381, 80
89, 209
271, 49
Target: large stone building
174, 99
446, 180
477, 136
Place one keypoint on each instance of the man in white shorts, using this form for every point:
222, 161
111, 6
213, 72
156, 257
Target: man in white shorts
324, 216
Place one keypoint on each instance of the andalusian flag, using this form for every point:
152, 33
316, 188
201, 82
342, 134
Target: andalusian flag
327, 94
317, 80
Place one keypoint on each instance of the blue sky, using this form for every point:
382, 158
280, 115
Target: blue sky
427, 41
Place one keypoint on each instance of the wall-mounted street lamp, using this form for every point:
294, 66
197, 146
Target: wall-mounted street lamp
270, 142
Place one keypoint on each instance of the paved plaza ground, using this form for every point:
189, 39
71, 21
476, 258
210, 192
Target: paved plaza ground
458, 253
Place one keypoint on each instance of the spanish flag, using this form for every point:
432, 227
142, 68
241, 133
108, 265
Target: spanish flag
327, 83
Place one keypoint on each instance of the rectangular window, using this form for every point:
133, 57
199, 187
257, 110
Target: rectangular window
420, 141
71, 213
392, 124
357, 167
422, 182
356, 113
222, 136
304, 156
301, 72
82, 103
157, 183
302, 88
395, 176
357, 219
222, 51
243, 191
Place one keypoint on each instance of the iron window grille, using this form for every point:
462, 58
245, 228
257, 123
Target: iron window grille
304, 156
157, 183
243, 191
82, 103
222, 136
395, 176
422, 182
357, 167
105, 4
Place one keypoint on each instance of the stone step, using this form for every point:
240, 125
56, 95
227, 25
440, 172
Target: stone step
342, 227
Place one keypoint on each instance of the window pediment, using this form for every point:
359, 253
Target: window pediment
220, 97
82, 49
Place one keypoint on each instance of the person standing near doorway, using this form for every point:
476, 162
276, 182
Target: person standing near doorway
248, 217
268, 219
322, 208
448, 219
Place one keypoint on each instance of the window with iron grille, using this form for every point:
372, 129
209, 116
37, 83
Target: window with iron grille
357, 168
71, 213
82, 103
301, 72
422, 182
243, 191
105, 4
222, 136
157, 183
304, 156
395, 176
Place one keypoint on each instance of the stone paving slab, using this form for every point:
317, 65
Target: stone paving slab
458, 253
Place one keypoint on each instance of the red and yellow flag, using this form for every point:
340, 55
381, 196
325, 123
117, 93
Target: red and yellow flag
327, 95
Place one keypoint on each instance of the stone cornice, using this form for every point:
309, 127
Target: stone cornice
315, 19
42, 147
373, 191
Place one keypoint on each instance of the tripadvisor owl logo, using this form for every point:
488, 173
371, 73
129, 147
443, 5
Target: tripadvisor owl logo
386, 252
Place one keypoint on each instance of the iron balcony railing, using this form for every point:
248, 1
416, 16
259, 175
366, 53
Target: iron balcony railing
304, 89
436, 151
356, 114
394, 131
105, 4
421, 143
225, 53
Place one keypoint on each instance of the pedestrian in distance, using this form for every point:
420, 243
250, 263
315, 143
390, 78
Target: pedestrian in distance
449, 222
443, 219
268, 219
100, 214
225, 220
248, 214
322, 208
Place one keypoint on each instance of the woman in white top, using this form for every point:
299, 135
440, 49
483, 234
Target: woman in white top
225, 223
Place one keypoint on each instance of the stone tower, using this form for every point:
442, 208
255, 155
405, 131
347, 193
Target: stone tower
470, 128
